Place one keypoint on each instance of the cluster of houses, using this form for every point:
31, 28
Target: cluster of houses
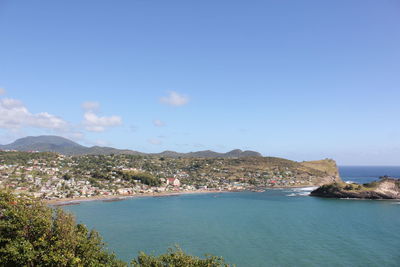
55, 187
54, 178
43, 180
47, 180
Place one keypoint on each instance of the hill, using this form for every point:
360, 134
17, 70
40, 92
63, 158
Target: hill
237, 153
51, 143
58, 144
45, 143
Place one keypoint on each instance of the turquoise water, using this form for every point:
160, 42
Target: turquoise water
274, 228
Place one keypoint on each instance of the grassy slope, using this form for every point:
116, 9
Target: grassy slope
327, 165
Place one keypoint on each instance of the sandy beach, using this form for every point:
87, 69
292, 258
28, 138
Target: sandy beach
74, 201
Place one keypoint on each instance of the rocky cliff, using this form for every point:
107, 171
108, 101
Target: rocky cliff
328, 169
387, 188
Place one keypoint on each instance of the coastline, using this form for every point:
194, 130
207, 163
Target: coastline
76, 201
105, 198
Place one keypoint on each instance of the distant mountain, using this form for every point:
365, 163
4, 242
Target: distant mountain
45, 143
237, 153
51, 143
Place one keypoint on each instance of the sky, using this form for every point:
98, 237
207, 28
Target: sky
302, 80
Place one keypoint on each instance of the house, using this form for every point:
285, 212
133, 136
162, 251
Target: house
173, 182
124, 191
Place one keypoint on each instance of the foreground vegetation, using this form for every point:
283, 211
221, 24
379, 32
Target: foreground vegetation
33, 234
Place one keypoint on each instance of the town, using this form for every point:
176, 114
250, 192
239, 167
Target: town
50, 176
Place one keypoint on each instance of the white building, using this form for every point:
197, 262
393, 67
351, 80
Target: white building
174, 182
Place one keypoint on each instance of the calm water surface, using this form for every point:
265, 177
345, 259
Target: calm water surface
274, 228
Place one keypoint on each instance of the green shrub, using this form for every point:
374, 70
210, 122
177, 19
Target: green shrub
32, 234
143, 177
177, 258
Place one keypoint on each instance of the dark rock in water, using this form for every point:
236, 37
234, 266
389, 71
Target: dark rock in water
386, 188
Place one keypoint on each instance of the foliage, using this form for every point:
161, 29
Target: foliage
14, 157
353, 187
371, 185
177, 258
32, 234
66, 177
143, 177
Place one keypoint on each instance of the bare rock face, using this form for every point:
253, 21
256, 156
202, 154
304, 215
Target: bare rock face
328, 167
387, 188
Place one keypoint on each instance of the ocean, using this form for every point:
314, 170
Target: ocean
279, 227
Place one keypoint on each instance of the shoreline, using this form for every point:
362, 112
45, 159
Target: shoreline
111, 198
76, 201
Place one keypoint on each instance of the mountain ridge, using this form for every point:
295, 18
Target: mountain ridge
62, 145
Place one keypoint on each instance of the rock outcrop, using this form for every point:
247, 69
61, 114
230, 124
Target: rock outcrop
386, 188
328, 168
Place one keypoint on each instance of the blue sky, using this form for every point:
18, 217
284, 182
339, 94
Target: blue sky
297, 79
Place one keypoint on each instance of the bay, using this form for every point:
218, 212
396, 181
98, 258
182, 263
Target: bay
280, 227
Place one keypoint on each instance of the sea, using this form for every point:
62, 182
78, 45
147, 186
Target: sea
278, 227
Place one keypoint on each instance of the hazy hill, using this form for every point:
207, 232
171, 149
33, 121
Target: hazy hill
46, 143
65, 146
50, 143
237, 153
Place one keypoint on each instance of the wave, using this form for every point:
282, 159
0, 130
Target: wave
302, 191
302, 194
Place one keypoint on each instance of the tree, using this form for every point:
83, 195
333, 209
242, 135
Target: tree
66, 177
143, 177
33, 234
177, 258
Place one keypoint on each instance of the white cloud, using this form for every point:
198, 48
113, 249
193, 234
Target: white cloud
14, 115
91, 105
154, 141
174, 99
95, 123
158, 123
46, 120
2, 91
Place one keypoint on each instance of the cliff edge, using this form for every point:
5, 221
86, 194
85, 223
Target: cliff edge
329, 172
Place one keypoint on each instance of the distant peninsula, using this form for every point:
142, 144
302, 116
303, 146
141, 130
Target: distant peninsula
385, 188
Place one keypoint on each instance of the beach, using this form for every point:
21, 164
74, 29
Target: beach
77, 200
109, 198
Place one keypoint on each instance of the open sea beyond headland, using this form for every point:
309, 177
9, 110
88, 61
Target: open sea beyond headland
280, 227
